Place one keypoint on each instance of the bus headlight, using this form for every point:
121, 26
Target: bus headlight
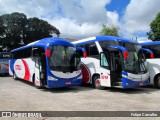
52, 78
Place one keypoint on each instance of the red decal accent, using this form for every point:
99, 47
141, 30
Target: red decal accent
85, 74
78, 72
27, 75
18, 67
104, 77
37, 82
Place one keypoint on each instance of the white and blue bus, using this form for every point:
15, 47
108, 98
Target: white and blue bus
110, 65
50, 62
4, 62
153, 61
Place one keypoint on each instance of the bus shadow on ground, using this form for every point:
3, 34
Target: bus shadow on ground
139, 90
85, 87
73, 89
4, 75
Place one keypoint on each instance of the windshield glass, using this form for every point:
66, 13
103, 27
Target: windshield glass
155, 49
134, 62
4, 55
104, 44
64, 58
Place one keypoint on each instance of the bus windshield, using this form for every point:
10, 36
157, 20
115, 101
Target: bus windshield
4, 55
133, 62
64, 58
155, 49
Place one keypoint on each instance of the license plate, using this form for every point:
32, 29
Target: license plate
141, 84
68, 83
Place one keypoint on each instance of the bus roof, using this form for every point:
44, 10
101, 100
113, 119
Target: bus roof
150, 43
44, 42
93, 39
101, 38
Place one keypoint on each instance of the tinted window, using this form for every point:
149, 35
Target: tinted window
24, 53
106, 43
155, 49
93, 49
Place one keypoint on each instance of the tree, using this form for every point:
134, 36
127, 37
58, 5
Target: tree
15, 24
15, 29
112, 31
154, 33
38, 29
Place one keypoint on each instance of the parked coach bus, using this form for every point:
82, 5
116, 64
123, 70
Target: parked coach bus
110, 65
153, 61
4, 62
50, 62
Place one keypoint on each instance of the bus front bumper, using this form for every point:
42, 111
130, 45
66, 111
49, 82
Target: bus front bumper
63, 83
127, 83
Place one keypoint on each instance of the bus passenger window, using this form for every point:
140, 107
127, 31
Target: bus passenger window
93, 50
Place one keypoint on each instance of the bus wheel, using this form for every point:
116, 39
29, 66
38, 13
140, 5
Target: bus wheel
96, 82
14, 76
157, 82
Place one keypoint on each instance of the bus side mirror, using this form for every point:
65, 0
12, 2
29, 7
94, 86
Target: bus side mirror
147, 53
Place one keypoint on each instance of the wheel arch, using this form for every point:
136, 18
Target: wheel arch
95, 74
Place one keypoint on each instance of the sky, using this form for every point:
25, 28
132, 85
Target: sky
78, 19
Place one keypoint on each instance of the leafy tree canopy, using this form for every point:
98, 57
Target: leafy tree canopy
112, 31
154, 33
16, 30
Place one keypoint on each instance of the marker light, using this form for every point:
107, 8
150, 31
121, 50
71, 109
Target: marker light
125, 54
84, 54
151, 55
48, 54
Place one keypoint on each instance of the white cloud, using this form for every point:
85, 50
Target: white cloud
72, 29
139, 14
74, 18
84, 18
112, 18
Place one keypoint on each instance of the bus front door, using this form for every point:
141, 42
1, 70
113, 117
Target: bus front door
115, 68
38, 67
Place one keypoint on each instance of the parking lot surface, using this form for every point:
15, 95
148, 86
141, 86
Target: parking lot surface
20, 95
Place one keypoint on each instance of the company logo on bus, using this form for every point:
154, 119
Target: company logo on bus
18, 67
104, 77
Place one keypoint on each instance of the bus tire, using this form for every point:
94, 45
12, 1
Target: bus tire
157, 82
96, 83
14, 76
34, 83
